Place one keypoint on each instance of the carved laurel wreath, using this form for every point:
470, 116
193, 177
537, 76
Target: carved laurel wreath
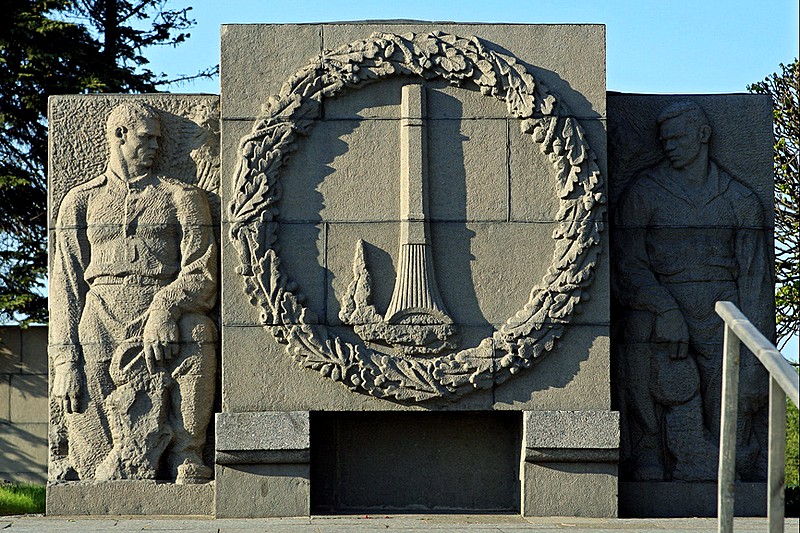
257, 191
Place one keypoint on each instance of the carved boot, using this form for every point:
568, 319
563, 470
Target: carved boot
647, 461
191, 410
690, 443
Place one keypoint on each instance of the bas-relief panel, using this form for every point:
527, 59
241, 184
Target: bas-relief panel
410, 351
687, 232
133, 255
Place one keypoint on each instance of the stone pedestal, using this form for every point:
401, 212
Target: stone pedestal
263, 461
576, 451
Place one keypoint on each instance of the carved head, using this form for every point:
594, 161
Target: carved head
133, 130
684, 131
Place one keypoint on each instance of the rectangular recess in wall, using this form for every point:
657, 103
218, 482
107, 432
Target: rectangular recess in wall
420, 462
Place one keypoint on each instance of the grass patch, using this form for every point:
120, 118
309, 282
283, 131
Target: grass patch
21, 499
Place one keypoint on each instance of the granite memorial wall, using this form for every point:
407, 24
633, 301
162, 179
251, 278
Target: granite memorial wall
381, 257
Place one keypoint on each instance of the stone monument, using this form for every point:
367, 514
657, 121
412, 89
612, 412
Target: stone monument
691, 226
133, 281
417, 222
414, 282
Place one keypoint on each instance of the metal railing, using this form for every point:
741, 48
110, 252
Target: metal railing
783, 381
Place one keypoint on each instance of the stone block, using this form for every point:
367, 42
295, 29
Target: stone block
345, 171
267, 379
651, 499
571, 429
235, 306
10, 349
26, 478
257, 59
24, 447
262, 431
248, 491
129, 497
569, 489
534, 190
548, 51
34, 350
575, 375
28, 398
303, 258
467, 170
382, 101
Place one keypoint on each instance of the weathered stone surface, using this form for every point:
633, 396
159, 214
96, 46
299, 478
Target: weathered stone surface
435, 56
129, 497
262, 431
10, 349
549, 51
577, 377
5, 397
588, 489
33, 350
23, 404
689, 230
282, 385
643, 499
133, 282
533, 195
247, 491
570, 429
254, 64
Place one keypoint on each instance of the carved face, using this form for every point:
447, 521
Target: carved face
139, 144
683, 140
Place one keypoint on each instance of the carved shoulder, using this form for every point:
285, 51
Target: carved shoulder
190, 201
636, 202
75, 200
744, 202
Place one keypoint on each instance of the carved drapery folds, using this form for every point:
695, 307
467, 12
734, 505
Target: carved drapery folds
527, 334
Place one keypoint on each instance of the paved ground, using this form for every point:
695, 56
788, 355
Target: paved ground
379, 523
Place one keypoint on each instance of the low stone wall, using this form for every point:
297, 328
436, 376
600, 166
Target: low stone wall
23, 404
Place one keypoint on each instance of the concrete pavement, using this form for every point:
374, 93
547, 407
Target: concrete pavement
377, 523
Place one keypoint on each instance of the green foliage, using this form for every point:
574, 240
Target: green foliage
792, 446
783, 87
21, 499
50, 47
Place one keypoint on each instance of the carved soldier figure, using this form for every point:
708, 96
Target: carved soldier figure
688, 236
133, 350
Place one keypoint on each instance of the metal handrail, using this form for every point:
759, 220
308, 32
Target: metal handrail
783, 380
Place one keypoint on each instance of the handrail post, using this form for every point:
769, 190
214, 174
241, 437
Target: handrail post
776, 476
727, 433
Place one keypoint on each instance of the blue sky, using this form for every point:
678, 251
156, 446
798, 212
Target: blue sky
666, 46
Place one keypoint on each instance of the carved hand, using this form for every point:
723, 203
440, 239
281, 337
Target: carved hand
67, 386
160, 338
671, 328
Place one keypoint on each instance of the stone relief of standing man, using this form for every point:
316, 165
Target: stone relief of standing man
132, 347
688, 235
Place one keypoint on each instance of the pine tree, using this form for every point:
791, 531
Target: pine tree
50, 47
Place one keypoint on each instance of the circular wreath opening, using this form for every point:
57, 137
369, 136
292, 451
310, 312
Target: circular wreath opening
526, 335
